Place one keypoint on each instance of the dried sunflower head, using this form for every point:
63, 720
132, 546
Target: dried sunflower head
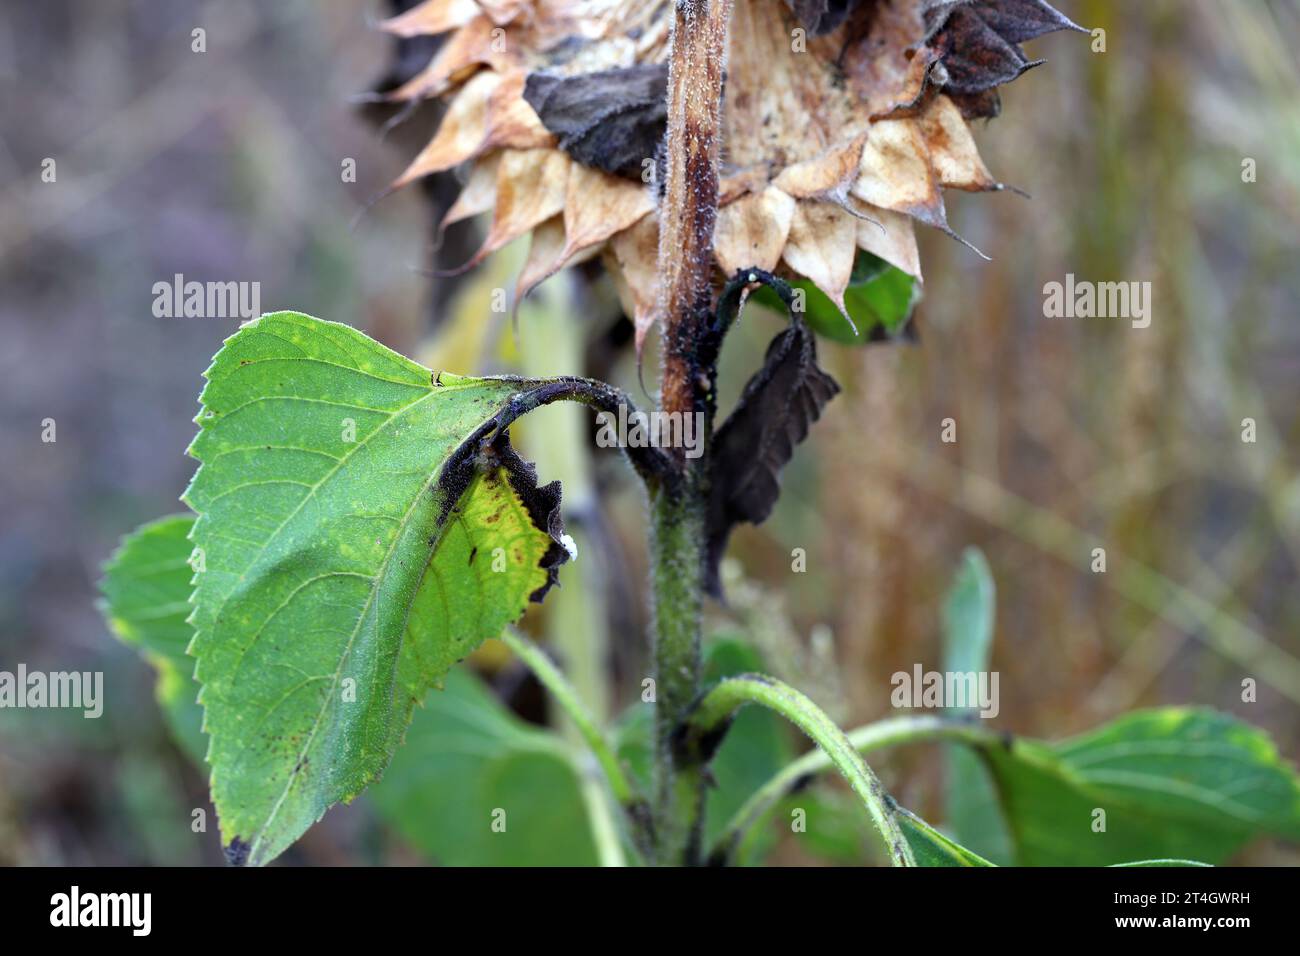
843, 122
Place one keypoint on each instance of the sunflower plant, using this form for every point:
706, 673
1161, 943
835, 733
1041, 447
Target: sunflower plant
359, 524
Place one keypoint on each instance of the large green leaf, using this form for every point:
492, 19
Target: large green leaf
1174, 784
468, 763
973, 813
146, 590
360, 530
464, 755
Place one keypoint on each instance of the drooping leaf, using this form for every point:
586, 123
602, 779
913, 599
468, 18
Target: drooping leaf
613, 120
750, 449
1173, 783
468, 764
932, 848
146, 602
973, 813
880, 299
362, 526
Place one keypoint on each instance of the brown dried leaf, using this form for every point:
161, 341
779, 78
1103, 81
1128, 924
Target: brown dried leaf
827, 175
477, 196
598, 205
461, 134
752, 231
894, 172
953, 153
464, 52
544, 251
822, 245
531, 188
889, 235
633, 262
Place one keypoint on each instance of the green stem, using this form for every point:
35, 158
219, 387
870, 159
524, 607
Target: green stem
678, 563
875, 736
620, 783
711, 716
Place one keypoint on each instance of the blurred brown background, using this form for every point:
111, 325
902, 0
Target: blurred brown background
1072, 433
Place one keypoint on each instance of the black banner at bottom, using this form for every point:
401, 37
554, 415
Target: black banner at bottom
308, 906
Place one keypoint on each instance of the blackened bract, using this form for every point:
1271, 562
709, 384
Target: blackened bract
612, 120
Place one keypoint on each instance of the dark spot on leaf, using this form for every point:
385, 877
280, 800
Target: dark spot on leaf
473, 554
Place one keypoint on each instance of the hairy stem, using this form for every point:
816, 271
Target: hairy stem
689, 208
554, 681
709, 721
875, 736
678, 595
687, 214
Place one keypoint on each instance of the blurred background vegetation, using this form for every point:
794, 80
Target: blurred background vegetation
1072, 434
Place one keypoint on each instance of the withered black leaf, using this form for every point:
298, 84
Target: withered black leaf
775, 411
978, 44
612, 120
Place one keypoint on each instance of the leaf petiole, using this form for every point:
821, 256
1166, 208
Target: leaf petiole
620, 784
874, 736
710, 717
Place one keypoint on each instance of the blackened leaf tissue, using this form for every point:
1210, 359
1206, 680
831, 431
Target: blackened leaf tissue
775, 411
